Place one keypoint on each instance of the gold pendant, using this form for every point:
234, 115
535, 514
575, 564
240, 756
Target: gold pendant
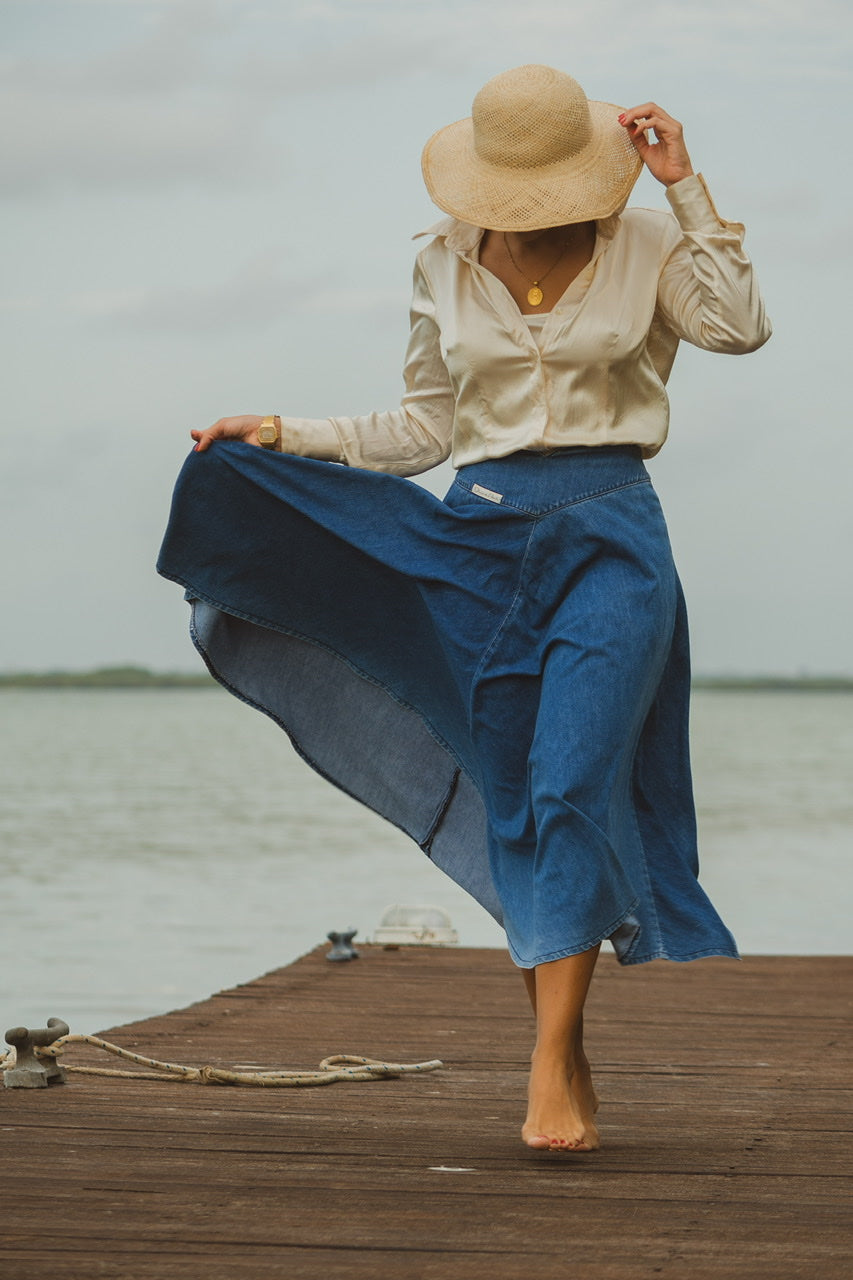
535, 295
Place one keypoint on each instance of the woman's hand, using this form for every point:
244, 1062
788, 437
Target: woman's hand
244, 427
667, 157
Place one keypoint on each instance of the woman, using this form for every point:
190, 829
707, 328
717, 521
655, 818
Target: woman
503, 674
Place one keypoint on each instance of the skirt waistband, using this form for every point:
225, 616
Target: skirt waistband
535, 482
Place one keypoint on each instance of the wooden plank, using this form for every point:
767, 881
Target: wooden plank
726, 1119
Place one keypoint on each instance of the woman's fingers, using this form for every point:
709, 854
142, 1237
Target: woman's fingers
204, 439
650, 116
243, 427
666, 157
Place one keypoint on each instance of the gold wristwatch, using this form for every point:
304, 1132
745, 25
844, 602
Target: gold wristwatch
269, 432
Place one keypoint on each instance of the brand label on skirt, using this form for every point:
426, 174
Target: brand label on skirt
486, 493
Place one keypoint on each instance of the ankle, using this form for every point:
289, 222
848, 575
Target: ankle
554, 1057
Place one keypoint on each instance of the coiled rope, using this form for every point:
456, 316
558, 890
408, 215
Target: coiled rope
338, 1067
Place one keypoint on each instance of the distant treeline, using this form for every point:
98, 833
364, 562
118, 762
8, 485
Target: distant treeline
807, 684
107, 678
130, 677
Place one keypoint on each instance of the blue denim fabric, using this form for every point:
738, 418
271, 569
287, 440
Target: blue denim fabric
504, 673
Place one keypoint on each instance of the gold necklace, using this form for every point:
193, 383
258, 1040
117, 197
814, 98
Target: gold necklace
534, 293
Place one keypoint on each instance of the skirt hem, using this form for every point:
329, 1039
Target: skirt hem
563, 953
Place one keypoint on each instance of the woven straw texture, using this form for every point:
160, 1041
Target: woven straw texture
536, 152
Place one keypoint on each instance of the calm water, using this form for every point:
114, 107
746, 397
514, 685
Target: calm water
156, 846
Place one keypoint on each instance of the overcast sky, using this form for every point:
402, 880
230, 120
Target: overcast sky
208, 208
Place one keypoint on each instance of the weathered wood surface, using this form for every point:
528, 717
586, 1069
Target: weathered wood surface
726, 1119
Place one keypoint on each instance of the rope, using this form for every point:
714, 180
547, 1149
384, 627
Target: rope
338, 1067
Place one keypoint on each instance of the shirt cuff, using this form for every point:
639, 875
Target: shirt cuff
693, 207
311, 438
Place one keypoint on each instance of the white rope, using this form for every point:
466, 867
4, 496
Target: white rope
338, 1067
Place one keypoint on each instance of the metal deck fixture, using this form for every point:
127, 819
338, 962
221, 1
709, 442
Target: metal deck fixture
30, 1072
342, 948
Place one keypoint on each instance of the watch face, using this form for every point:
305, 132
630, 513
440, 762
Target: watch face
267, 433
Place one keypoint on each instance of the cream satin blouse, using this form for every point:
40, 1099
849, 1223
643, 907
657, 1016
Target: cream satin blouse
479, 385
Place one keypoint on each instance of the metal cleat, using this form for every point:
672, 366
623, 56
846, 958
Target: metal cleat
30, 1072
342, 948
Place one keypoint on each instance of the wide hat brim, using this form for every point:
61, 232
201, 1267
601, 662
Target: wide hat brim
595, 182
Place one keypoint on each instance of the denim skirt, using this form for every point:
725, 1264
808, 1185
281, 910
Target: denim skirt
503, 674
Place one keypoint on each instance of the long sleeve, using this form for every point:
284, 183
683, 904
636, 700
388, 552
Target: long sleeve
707, 293
404, 441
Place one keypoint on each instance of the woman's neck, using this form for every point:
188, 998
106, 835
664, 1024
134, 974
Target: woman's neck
548, 240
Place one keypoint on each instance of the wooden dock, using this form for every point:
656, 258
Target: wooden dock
726, 1120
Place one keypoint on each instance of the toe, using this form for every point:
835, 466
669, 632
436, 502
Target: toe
539, 1142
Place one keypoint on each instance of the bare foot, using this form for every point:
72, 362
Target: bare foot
560, 1108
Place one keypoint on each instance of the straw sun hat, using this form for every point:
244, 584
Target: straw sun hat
536, 152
